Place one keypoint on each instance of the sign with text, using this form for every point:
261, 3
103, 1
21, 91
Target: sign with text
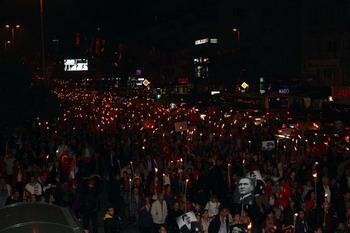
340, 92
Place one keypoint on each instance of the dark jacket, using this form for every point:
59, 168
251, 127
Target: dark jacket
112, 223
215, 224
301, 226
145, 218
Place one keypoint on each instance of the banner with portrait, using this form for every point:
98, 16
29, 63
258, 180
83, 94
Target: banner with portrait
245, 191
269, 149
188, 223
238, 228
259, 185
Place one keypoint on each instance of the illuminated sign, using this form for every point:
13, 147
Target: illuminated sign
146, 82
206, 40
183, 80
75, 64
283, 91
140, 81
340, 93
215, 92
244, 85
202, 41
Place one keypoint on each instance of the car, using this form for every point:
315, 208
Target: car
37, 217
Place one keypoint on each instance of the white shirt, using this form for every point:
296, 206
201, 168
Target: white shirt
223, 227
328, 191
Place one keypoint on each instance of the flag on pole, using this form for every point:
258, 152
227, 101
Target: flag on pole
62, 156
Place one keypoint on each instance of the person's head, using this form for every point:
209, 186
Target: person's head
347, 195
42, 199
32, 179
33, 198
161, 197
125, 174
245, 186
110, 211
318, 230
236, 217
91, 183
146, 201
136, 191
205, 214
223, 211
198, 217
213, 199
325, 180
186, 219
269, 213
176, 206
162, 229
301, 214
167, 188
15, 194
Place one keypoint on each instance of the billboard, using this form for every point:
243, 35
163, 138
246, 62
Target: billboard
75, 64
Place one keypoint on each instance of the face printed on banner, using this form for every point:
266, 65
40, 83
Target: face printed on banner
245, 186
244, 193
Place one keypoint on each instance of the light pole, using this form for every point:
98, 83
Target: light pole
42, 38
236, 30
13, 33
6, 44
238, 37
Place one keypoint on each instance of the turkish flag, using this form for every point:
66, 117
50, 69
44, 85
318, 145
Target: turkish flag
62, 156
148, 124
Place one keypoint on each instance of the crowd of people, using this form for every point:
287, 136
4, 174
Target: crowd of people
155, 172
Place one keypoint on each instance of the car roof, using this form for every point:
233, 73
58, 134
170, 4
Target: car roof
40, 217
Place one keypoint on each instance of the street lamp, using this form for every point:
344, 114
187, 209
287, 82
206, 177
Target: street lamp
6, 44
13, 32
42, 37
236, 30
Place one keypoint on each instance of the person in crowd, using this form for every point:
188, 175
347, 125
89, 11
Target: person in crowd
174, 213
159, 212
135, 204
220, 224
89, 207
301, 224
112, 222
145, 217
32, 188
14, 198
212, 206
5, 191
205, 221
